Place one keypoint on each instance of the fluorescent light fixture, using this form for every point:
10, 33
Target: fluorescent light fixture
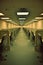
34, 20
21, 21
22, 18
22, 13
5, 18
9, 20
41, 13
38, 18
1, 14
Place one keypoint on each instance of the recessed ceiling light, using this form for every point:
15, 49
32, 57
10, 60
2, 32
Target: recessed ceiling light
22, 18
9, 20
34, 20
39, 18
22, 13
5, 18
41, 13
1, 14
21, 21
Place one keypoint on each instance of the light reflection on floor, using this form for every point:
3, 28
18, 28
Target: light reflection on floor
22, 52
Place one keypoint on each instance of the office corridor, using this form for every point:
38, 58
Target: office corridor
22, 52
21, 32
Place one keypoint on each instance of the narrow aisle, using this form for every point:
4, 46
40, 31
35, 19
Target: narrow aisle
22, 52
21, 39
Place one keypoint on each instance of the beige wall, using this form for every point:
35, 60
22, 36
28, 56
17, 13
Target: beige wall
3, 25
36, 25
40, 24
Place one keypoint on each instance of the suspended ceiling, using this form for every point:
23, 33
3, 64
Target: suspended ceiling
10, 7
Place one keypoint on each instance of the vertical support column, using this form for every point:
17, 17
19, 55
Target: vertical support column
0, 24
8, 37
8, 41
12, 35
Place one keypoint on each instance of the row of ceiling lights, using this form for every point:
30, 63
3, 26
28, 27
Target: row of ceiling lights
22, 15
21, 19
37, 18
2, 17
26, 14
